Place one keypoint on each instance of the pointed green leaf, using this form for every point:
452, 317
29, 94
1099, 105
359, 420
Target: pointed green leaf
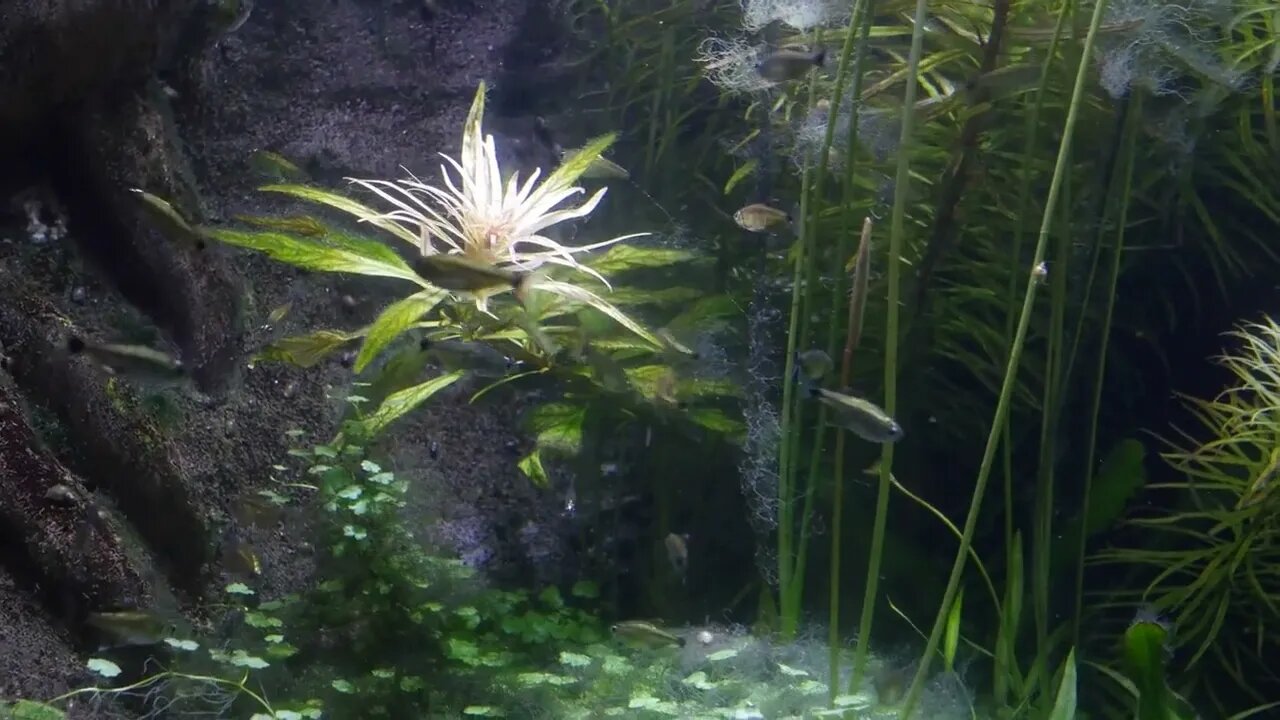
401, 402
1064, 707
578, 163
621, 258
347, 205
306, 350
573, 292
300, 225
742, 173
315, 255
531, 466
715, 420
397, 318
472, 130
663, 297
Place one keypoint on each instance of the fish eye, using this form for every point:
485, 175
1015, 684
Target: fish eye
613, 628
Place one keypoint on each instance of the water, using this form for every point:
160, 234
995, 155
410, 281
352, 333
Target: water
1063, 302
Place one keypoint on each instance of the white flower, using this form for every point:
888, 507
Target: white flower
474, 214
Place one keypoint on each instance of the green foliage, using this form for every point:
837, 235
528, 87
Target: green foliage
1206, 558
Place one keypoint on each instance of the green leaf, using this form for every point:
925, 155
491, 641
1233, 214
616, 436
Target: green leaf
343, 686
558, 426
345, 204
573, 659
239, 589
705, 312
531, 466
177, 644
30, 710
621, 258
585, 589
742, 173
722, 655
242, 659
715, 420
103, 667
346, 257
483, 711
303, 225
578, 163
951, 638
394, 320
573, 292
1064, 707
401, 402
662, 297
1121, 475
304, 351
551, 597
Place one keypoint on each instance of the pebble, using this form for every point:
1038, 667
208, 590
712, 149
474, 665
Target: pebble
79, 294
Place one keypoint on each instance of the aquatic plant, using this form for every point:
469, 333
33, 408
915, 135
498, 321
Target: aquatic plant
1207, 560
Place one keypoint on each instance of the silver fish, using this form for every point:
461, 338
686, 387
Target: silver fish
790, 63
862, 417
678, 554
135, 361
476, 357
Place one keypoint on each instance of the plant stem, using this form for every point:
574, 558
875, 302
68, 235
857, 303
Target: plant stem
853, 334
1133, 111
1015, 355
901, 190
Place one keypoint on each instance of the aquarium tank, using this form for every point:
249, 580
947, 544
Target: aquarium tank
640, 359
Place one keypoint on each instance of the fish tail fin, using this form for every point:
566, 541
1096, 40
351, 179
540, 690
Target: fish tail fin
806, 383
75, 345
523, 283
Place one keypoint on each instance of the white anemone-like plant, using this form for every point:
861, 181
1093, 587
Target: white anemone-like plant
477, 215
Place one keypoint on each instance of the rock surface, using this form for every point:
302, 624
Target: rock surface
344, 88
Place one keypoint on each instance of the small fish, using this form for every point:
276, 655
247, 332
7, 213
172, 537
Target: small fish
238, 556
277, 314
476, 357
260, 510
678, 554
453, 272
666, 389
275, 166
601, 168
790, 63
669, 339
128, 628
135, 361
166, 220
815, 364
890, 683
645, 633
759, 217
433, 450
298, 225
862, 417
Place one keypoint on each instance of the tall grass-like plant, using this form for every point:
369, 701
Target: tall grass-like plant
1015, 355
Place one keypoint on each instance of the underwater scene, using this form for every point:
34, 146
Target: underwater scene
578, 359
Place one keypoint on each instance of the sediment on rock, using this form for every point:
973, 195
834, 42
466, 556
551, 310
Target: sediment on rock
56, 538
187, 291
115, 447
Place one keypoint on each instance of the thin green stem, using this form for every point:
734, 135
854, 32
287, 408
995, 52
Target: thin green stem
901, 190
1133, 111
1015, 356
